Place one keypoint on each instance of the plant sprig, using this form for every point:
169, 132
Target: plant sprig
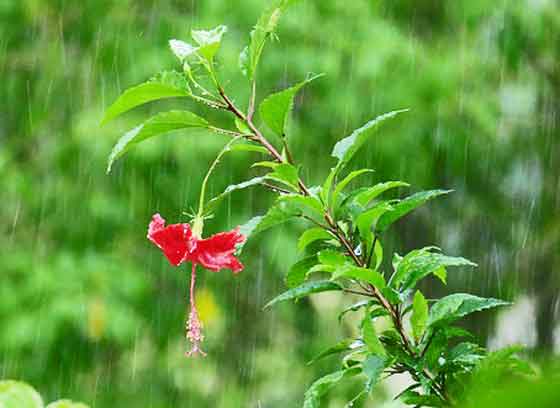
344, 241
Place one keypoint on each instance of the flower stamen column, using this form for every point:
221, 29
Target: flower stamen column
194, 325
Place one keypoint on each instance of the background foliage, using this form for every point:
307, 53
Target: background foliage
90, 311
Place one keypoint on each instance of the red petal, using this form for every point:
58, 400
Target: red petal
216, 252
174, 240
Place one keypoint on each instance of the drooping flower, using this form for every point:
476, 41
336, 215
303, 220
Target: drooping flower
175, 240
179, 243
217, 252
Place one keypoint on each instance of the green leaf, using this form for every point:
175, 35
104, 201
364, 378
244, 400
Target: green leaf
435, 345
247, 147
311, 235
420, 263
250, 228
305, 289
340, 186
414, 398
419, 317
407, 205
362, 274
355, 307
498, 364
299, 204
286, 174
343, 345
209, 41
165, 85
250, 56
321, 268
378, 253
373, 367
161, 123
453, 307
277, 214
369, 194
242, 126
275, 109
370, 337
392, 295
268, 164
213, 203
332, 257
181, 49
465, 354
324, 384
368, 220
452, 332
328, 185
15, 394
346, 148
66, 404
297, 273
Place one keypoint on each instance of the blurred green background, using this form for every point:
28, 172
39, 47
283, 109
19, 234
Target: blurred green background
90, 310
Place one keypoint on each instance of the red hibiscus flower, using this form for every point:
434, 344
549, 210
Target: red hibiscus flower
180, 244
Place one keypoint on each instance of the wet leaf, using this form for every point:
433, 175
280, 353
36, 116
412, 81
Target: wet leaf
213, 203
160, 124
419, 263
373, 367
297, 273
209, 41
361, 274
286, 174
364, 197
457, 305
181, 49
324, 384
368, 220
355, 307
340, 186
406, 206
370, 338
346, 148
265, 27
311, 235
275, 109
414, 398
277, 214
343, 345
247, 147
419, 317
165, 85
378, 254
297, 203
332, 257
306, 289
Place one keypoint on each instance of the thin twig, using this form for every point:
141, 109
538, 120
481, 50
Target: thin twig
356, 292
276, 188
